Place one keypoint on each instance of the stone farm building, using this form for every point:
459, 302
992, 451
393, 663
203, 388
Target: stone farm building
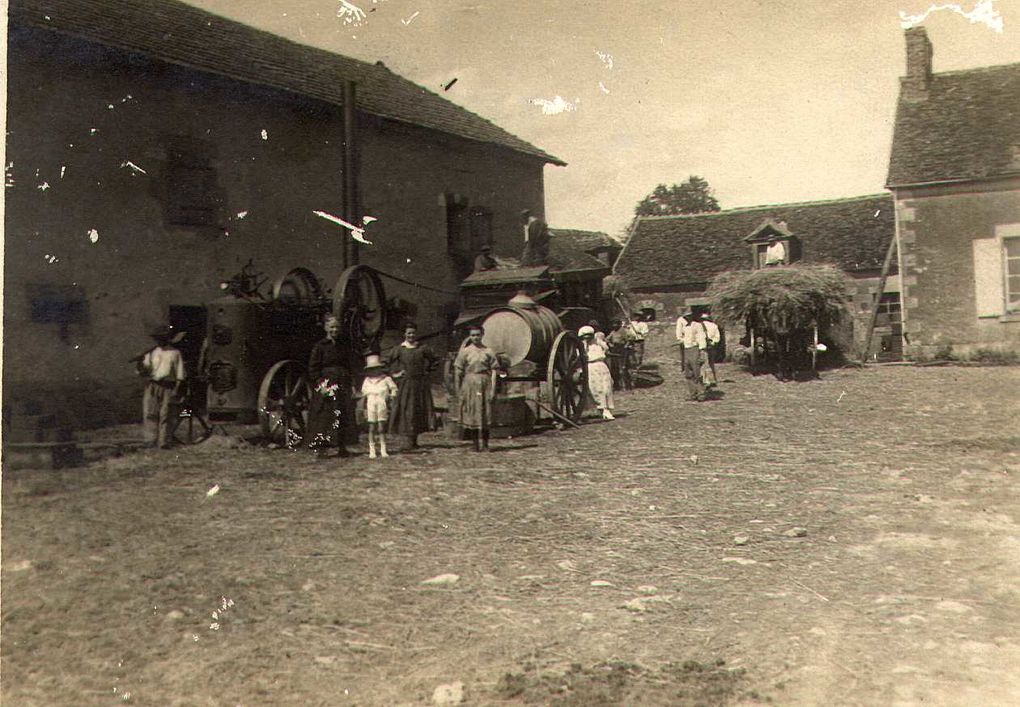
154, 148
671, 260
955, 174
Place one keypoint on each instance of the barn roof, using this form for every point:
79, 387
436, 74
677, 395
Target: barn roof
181, 34
586, 241
671, 251
568, 255
966, 127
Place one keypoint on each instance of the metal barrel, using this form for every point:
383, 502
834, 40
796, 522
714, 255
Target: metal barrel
522, 333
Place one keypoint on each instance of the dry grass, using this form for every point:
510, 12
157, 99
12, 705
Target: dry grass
781, 298
323, 561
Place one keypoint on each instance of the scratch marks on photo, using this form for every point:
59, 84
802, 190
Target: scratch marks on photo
607, 63
555, 106
135, 168
350, 13
984, 12
357, 232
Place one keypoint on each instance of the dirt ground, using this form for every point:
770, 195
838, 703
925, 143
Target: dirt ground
852, 540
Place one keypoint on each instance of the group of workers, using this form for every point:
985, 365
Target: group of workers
698, 337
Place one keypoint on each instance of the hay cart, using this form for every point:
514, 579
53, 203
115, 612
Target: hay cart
253, 362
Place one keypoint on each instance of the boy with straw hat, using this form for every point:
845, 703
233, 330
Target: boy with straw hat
377, 389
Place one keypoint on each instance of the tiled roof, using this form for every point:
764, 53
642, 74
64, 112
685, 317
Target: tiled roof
509, 271
586, 241
181, 34
967, 128
566, 254
672, 251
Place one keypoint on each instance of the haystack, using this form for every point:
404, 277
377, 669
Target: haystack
781, 298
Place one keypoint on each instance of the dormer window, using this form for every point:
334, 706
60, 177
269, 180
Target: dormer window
772, 244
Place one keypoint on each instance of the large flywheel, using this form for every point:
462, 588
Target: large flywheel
299, 288
567, 376
359, 302
284, 399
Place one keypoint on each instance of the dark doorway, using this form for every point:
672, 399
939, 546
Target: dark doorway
192, 321
889, 327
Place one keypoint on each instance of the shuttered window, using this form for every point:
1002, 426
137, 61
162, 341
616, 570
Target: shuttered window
1011, 250
192, 194
988, 291
458, 226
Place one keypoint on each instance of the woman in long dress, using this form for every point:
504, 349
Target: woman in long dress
331, 411
475, 370
600, 381
410, 364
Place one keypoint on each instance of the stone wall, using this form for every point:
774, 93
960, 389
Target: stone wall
91, 136
937, 229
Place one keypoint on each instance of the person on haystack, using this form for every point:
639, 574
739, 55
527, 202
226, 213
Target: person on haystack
330, 411
162, 366
411, 365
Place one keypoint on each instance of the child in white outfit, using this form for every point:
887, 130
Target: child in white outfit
377, 389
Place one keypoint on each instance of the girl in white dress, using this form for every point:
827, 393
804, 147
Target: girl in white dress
377, 389
600, 381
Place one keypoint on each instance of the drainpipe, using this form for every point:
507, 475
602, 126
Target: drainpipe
350, 183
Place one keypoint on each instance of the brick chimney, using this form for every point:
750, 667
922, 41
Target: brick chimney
919, 53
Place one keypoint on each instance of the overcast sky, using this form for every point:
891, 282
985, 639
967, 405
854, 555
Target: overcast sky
771, 101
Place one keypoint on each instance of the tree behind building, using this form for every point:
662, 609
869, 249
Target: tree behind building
691, 197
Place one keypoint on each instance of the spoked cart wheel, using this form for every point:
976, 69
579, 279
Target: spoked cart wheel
284, 398
359, 302
192, 424
567, 376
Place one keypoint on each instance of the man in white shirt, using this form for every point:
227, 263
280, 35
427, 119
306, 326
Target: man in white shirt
682, 320
695, 346
163, 369
714, 337
775, 254
536, 240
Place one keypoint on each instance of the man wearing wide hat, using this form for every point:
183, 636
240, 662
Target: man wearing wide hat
162, 366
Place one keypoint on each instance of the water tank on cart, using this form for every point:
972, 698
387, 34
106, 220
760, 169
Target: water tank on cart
522, 331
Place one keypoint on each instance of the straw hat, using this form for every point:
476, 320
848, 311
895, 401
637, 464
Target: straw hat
160, 332
373, 363
586, 331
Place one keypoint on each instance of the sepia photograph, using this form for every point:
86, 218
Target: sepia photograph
472, 352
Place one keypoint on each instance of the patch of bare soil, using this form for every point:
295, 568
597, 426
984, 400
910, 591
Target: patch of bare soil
851, 540
618, 683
